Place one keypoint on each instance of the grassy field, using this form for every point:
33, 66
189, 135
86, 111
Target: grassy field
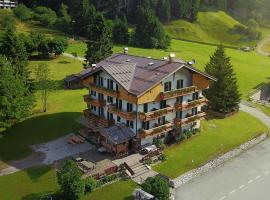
41, 181
266, 47
216, 137
64, 107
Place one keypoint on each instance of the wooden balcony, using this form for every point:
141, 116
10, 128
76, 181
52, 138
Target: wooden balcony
123, 114
155, 114
97, 121
94, 102
177, 93
104, 90
191, 104
157, 130
182, 122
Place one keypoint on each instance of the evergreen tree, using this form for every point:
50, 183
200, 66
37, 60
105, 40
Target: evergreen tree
100, 43
120, 31
149, 32
223, 94
194, 9
16, 102
164, 10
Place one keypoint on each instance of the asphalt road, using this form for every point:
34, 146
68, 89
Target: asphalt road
246, 177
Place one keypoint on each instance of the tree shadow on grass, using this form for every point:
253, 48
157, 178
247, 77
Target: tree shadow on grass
42, 196
15, 142
35, 173
64, 62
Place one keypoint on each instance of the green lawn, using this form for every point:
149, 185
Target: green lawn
41, 181
266, 47
217, 137
263, 108
64, 107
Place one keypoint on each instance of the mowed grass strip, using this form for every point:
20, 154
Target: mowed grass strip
217, 137
33, 183
64, 107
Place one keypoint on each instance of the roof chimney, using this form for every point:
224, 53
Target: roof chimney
126, 50
94, 66
171, 57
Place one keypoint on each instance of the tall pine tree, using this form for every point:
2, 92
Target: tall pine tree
223, 94
99, 34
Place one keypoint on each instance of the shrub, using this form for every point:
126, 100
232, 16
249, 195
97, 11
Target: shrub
45, 16
90, 184
22, 12
157, 187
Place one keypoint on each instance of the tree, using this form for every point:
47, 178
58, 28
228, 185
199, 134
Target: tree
100, 43
90, 184
194, 9
69, 179
7, 19
157, 187
58, 45
120, 31
164, 10
43, 83
149, 32
223, 94
45, 16
64, 21
22, 12
16, 102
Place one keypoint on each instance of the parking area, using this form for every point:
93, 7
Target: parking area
60, 149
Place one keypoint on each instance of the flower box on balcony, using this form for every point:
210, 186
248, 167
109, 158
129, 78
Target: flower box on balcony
126, 115
157, 130
104, 90
178, 92
155, 114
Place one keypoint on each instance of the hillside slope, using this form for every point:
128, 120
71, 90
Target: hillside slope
210, 27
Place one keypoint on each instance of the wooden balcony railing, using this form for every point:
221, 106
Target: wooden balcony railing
178, 92
124, 114
104, 90
155, 114
97, 121
191, 104
182, 122
94, 102
157, 130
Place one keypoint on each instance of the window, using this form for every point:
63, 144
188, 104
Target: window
119, 103
145, 125
145, 107
118, 119
180, 84
129, 107
194, 111
117, 87
100, 111
109, 116
130, 124
110, 84
109, 99
179, 99
100, 81
100, 97
92, 107
179, 115
195, 96
163, 104
162, 120
95, 79
93, 93
95, 108
167, 86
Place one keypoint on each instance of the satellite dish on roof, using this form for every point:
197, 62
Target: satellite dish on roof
192, 62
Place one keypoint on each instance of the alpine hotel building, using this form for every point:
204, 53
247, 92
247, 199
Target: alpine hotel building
133, 100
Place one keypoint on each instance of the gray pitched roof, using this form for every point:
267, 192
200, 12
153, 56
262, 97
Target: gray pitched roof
117, 134
139, 74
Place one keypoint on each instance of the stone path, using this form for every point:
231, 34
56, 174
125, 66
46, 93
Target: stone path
71, 56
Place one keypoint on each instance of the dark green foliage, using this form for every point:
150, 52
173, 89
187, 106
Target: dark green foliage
64, 21
90, 184
120, 31
247, 33
22, 12
16, 102
149, 32
45, 16
57, 45
7, 19
157, 187
223, 94
69, 179
99, 34
163, 10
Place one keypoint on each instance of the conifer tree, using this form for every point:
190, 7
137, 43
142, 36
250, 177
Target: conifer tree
223, 94
164, 10
99, 34
120, 31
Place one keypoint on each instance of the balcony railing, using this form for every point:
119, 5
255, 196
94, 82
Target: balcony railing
178, 92
97, 121
104, 90
191, 104
94, 102
126, 115
157, 130
182, 122
155, 114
